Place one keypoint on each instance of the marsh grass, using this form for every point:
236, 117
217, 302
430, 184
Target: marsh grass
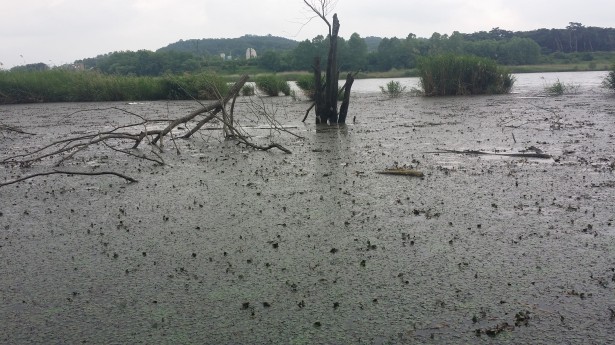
450, 75
393, 73
272, 85
559, 88
247, 90
609, 80
555, 89
59, 85
307, 85
393, 89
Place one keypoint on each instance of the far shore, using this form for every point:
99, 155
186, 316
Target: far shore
408, 73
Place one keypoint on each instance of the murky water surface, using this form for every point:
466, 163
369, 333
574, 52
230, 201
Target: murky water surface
226, 245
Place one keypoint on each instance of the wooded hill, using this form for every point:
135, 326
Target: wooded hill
235, 47
574, 38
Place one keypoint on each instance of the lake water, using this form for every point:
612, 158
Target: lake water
525, 83
228, 245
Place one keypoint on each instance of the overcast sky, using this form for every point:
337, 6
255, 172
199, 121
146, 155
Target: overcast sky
56, 32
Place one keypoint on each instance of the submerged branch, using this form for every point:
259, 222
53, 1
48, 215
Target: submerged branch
127, 178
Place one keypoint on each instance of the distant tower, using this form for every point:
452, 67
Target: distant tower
223, 56
250, 53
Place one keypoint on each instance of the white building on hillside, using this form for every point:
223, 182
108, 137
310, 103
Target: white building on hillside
250, 53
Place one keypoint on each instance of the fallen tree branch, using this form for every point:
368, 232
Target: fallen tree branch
201, 123
270, 118
130, 179
79, 142
13, 129
308, 111
135, 155
218, 104
68, 148
267, 148
237, 134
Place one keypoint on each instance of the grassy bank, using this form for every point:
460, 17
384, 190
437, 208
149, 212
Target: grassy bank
69, 86
560, 67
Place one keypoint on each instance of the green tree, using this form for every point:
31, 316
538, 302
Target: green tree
392, 53
455, 43
270, 60
483, 48
519, 51
357, 53
303, 56
575, 34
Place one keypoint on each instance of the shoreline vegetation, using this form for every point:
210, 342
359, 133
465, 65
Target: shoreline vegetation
413, 72
58, 85
61, 85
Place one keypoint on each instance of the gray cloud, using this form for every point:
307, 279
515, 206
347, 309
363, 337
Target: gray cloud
61, 31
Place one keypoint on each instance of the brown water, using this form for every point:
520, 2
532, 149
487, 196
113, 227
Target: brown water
226, 245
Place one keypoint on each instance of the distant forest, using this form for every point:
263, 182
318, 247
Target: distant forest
277, 54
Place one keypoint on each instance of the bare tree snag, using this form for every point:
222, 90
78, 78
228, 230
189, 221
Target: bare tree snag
346, 101
321, 9
319, 97
332, 76
326, 100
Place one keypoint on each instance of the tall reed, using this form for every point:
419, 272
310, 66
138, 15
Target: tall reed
307, 84
609, 80
272, 85
446, 75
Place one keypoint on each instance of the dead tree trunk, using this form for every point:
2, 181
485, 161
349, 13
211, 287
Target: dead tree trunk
346, 100
331, 86
319, 98
326, 97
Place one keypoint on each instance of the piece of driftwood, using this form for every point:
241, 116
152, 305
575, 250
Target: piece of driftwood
474, 152
401, 171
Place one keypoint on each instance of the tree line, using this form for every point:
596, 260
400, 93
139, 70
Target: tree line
276, 54
575, 38
353, 53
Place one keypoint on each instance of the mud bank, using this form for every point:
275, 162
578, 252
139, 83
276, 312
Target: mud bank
226, 245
